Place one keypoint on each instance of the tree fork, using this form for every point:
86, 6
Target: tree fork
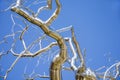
55, 69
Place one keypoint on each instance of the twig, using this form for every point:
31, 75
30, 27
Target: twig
38, 52
74, 55
105, 74
12, 66
78, 49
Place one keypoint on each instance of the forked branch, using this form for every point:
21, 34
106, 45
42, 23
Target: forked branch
61, 58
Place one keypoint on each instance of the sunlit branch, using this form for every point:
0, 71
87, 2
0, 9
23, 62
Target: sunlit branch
24, 45
64, 29
40, 44
48, 6
75, 42
78, 48
8, 36
41, 76
74, 55
107, 77
5, 41
85, 74
44, 35
29, 54
67, 68
2, 54
117, 70
84, 54
101, 76
36, 41
12, 66
24, 30
18, 3
38, 62
58, 61
25, 69
100, 68
29, 10
55, 14
13, 25
35, 3
37, 76
45, 49
105, 74
8, 8
21, 37
38, 2
61, 58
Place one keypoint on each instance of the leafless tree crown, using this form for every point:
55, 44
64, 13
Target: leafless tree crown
29, 17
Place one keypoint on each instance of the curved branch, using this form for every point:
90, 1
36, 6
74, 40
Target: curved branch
78, 48
105, 74
48, 6
55, 14
29, 54
74, 55
56, 65
13, 64
75, 42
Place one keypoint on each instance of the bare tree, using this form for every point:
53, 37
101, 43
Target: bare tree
28, 17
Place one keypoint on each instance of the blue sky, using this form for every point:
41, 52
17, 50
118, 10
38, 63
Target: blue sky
97, 28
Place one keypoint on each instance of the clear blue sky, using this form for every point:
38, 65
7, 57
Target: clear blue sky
97, 28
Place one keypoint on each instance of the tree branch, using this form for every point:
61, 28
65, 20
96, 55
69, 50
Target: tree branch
61, 58
105, 74
48, 6
13, 64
